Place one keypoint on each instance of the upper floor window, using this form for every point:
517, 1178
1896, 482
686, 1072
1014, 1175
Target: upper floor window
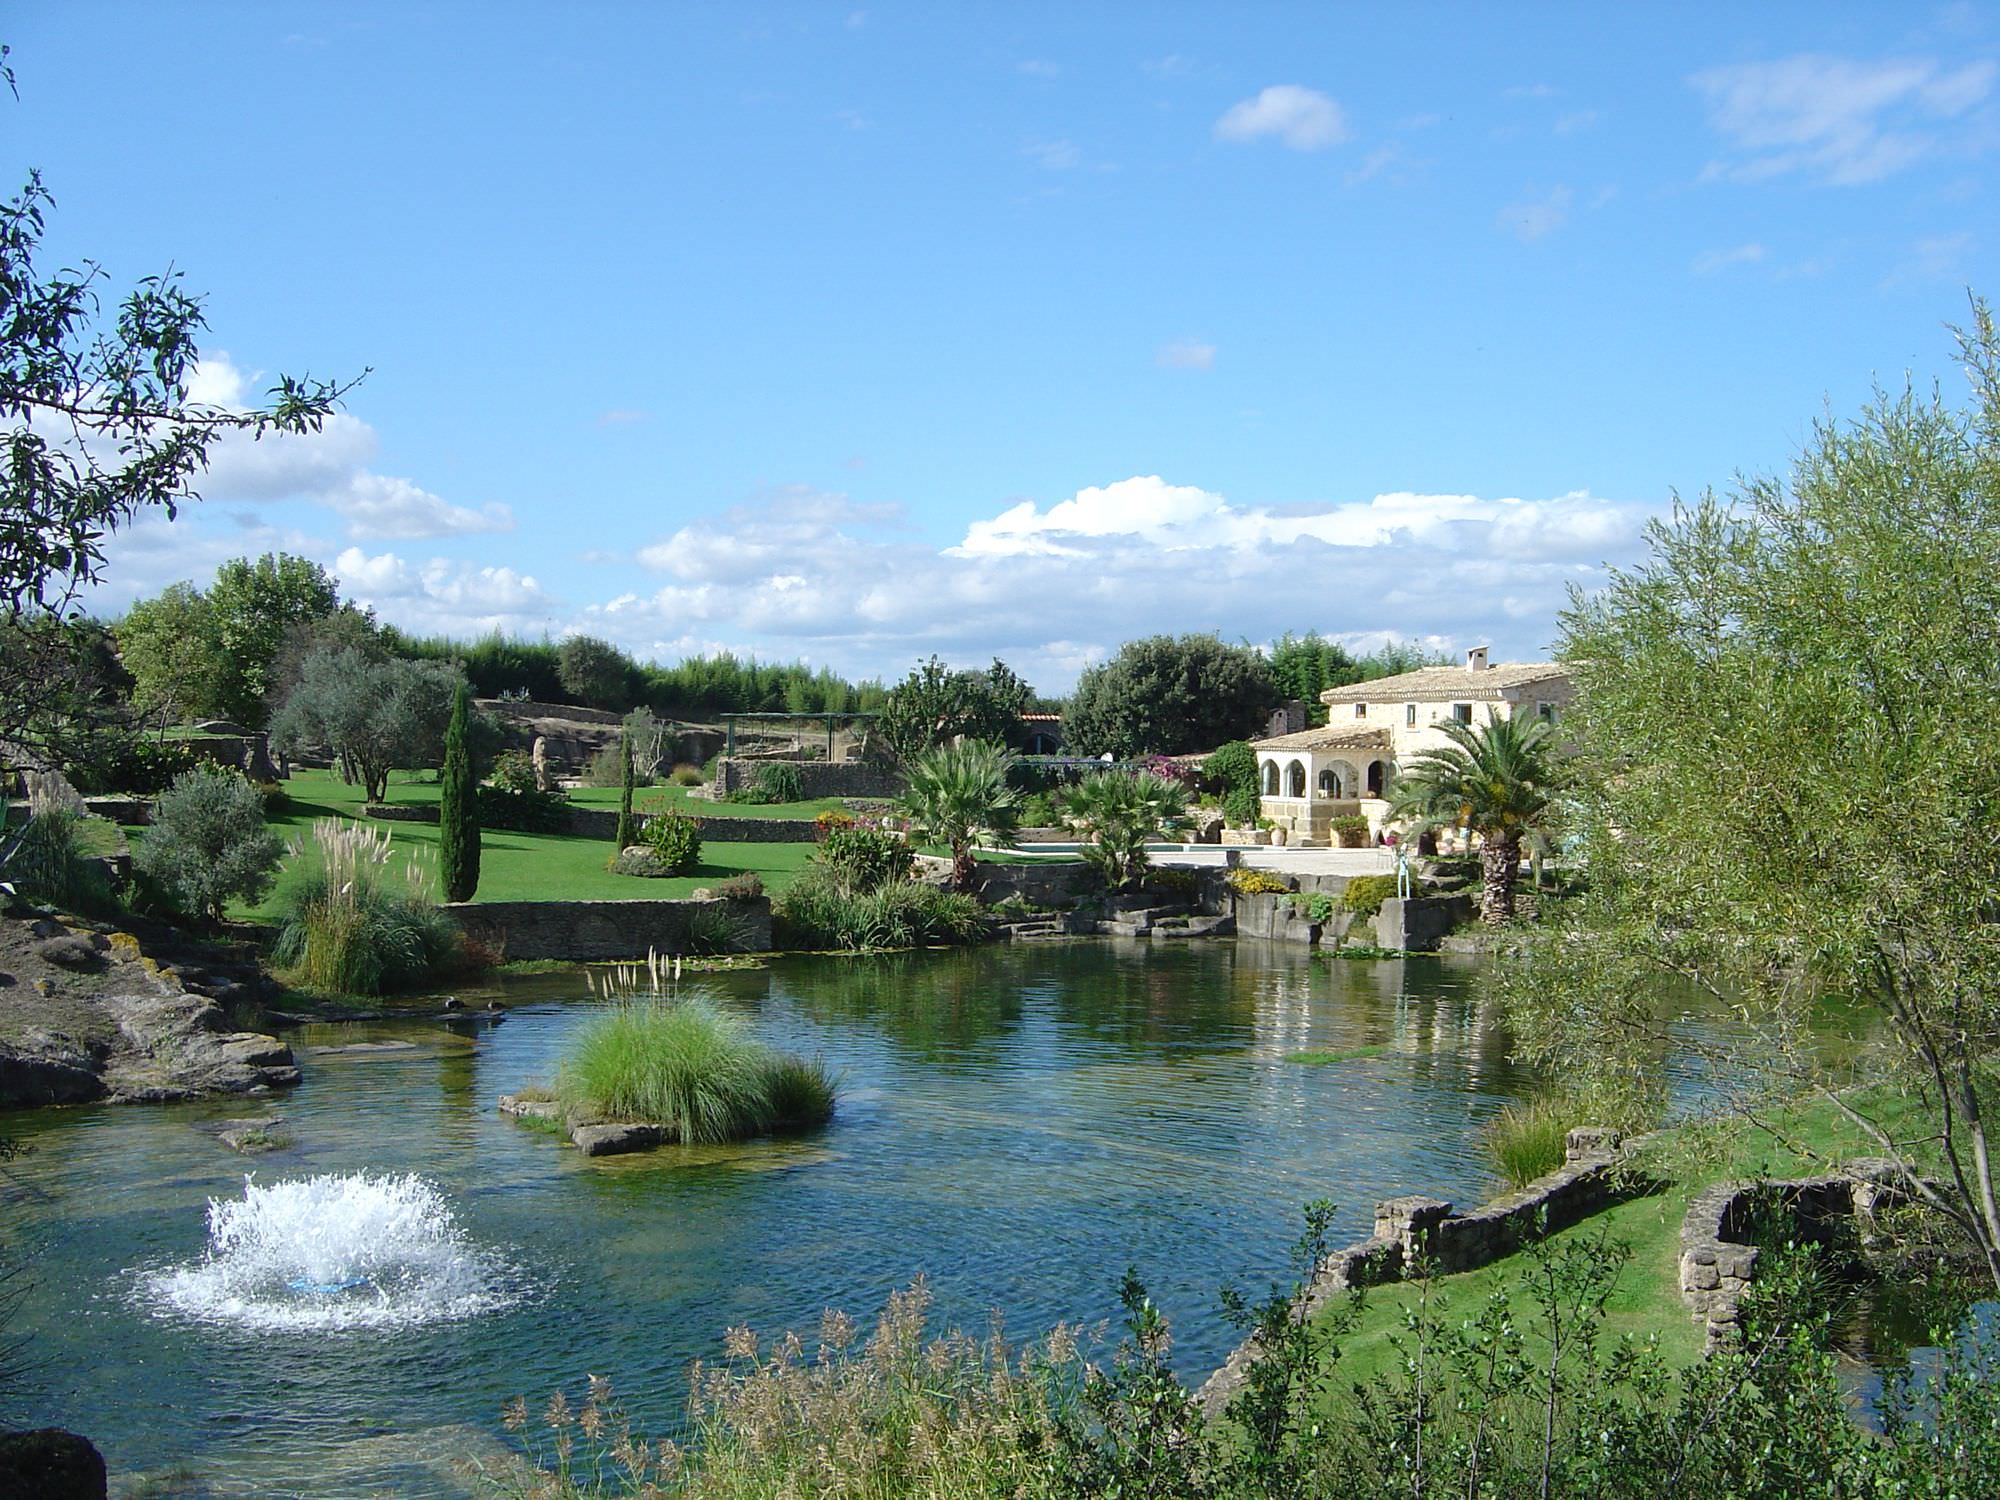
1360, 710
1410, 714
1546, 712
1462, 712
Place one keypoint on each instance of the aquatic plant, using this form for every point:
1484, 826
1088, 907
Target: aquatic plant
689, 1065
346, 927
1526, 1141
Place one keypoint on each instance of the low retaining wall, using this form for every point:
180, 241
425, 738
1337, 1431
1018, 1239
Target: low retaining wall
1268, 914
1591, 1178
599, 931
817, 778
1420, 923
1718, 1262
602, 823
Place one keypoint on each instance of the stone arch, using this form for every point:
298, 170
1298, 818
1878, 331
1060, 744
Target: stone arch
1295, 779
1378, 778
1329, 783
1270, 778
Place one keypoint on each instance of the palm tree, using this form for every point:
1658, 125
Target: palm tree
1118, 813
1498, 781
959, 796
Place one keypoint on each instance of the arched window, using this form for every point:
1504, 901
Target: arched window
1270, 778
1329, 784
1376, 777
1295, 779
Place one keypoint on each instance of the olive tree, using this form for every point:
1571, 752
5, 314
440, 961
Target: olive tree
373, 716
208, 841
1789, 789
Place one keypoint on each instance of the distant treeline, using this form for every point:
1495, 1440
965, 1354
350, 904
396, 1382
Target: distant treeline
697, 687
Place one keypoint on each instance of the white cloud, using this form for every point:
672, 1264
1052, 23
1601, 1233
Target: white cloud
443, 595
329, 467
1711, 261
1834, 119
1054, 156
1186, 354
1053, 588
1533, 214
1303, 119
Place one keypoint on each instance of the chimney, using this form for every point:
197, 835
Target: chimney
1475, 659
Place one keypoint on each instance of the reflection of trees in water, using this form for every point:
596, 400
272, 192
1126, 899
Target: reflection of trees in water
945, 1007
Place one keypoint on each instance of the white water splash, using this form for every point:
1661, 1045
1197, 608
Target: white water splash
335, 1251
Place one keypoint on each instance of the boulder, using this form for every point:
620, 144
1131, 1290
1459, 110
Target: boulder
51, 1464
616, 1139
70, 951
54, 1073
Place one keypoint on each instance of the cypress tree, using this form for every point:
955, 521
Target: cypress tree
626, 835
458, 808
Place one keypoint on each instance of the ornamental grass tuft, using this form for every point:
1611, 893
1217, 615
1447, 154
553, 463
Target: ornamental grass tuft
347, 926
1526, 1141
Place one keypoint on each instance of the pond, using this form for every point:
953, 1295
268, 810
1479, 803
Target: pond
1018, 1124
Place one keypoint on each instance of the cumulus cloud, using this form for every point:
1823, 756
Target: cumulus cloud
1834, 119
1055, 587
1186, 354
1303, 119
329, 467
1711, 261
444, 595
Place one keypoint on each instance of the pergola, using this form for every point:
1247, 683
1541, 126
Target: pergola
1307, 779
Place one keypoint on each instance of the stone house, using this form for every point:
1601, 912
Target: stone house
1309, 778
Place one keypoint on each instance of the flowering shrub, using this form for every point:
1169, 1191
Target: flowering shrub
1248, 882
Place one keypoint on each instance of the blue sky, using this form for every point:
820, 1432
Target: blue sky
857, 333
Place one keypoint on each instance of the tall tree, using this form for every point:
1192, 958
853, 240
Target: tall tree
935, 705
374, 716
1169, 695
1304, 666
173, 648
256, 604
625, 834
458, 806
595, 673
1786, 714
1497, 780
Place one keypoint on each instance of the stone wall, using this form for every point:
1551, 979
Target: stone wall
1418, 924
1592, 1177
602, 823
598, 931
1268, 914
817, 778
1718, 1260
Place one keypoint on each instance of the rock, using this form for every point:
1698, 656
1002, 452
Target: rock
616, 1139
363, 1047
253, 1137
180, 1050
51, 1074
7, 981
51, 1464
70, 951
529, 1109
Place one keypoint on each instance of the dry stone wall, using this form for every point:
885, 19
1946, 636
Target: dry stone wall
817, 778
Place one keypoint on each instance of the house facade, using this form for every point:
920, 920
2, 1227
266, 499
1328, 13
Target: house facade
1347, 768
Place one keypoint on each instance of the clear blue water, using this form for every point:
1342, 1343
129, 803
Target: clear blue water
1019, 1124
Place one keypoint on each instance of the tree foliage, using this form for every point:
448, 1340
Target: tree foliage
373, 716
256, 603
595, 673
1786, 717
959, 796
172, 646
458, 806
935, 705
1169, 695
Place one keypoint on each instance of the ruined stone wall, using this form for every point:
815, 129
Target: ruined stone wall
817, 778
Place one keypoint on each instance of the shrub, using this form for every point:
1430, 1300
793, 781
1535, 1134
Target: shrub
276, 801
607, 768
745, 887
48, 866
346, 926
1526, 1141
638, 860
1246, 881
675, 838
208, 842
124, 761
514, 771
715, 930
690, 1067
521, 812
1366, 893
1241, 807
686, 775
861, 859
778, 782
1118, 813
830, 820
1314, 906
1233, 767
1181, 883
1039, 811
817, 911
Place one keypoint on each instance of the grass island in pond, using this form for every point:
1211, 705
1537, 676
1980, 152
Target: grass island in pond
692, 1069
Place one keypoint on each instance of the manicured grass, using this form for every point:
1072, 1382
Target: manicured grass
676, 799
516, 866
1647, 1300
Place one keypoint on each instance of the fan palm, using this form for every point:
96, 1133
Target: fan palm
1118, 813
1498, 781
958, 796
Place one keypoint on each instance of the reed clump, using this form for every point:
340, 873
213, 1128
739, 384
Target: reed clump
689, 1065
1526, 1141
348, 925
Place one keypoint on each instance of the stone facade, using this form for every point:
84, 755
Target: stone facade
1592, 1178
1419, 924
600, 931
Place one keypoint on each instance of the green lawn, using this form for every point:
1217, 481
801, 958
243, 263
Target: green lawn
518, 866
1647, 1300
676, 799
